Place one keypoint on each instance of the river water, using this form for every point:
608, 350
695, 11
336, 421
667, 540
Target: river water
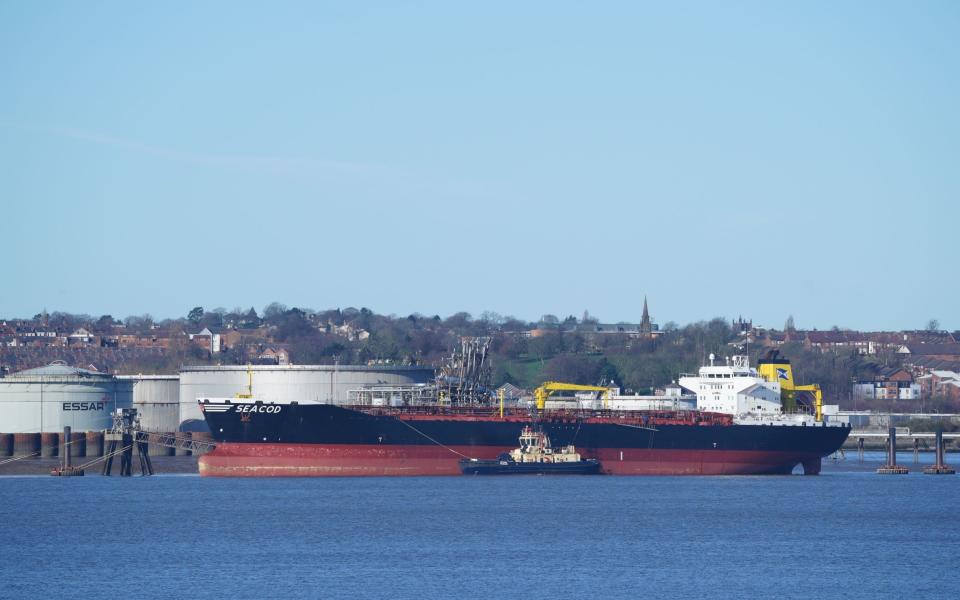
847, 533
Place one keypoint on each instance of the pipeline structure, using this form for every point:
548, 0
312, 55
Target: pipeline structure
124, 439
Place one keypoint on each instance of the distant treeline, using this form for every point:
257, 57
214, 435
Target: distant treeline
523, 353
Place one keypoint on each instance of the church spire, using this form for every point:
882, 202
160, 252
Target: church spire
645, 321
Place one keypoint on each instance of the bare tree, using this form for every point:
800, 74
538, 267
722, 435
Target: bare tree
789, 325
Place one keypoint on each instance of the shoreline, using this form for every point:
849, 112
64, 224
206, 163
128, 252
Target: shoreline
43, 466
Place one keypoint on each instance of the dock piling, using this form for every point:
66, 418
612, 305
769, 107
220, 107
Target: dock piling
66, 468
940, 468
892, 468
121, 439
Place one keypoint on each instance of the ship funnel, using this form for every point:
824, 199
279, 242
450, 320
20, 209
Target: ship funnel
776, 369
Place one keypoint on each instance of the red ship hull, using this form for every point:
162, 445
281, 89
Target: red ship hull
352, 460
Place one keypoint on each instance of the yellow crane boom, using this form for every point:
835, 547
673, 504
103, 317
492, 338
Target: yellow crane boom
817, 398
549, 387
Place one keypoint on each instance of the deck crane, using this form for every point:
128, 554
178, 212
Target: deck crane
542, 393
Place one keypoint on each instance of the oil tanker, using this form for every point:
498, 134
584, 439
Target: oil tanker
746, 421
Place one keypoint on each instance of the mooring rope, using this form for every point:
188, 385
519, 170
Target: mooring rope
105, 456
36, 453
15, 458
435, 441
653, 429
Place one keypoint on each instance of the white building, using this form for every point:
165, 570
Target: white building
214, 343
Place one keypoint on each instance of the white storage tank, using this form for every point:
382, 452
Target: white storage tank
48, 398
157, 400
286, 383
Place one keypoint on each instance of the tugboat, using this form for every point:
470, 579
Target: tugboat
533, 457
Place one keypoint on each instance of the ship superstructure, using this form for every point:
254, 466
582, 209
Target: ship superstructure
753, 395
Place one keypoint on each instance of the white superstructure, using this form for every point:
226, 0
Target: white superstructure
735, 388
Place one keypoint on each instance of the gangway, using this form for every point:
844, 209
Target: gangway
172, 440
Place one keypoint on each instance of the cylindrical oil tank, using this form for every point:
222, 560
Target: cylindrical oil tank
6, 444
94, 444
78, 444
49, 444
286, 383
157, 400
49, 398
26, 443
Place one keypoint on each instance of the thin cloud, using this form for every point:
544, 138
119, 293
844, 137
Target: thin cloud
275, 164
301, 167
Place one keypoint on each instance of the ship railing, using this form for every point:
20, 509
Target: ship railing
662, 417
635, 417
427, 410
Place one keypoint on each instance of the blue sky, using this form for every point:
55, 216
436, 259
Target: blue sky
757, 158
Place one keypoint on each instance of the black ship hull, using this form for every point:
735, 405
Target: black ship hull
320, 440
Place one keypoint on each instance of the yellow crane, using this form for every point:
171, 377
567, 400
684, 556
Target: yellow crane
549, 387
817, 398
249, 393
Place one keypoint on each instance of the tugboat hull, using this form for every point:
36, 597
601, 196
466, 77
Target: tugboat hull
506, 467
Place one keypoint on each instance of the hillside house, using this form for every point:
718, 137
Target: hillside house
944, 384
887, 383
208, 340
273, 356
930, 351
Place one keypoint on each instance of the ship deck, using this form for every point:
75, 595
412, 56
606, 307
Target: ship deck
517, 415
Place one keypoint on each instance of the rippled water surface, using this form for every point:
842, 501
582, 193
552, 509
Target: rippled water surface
845, 534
